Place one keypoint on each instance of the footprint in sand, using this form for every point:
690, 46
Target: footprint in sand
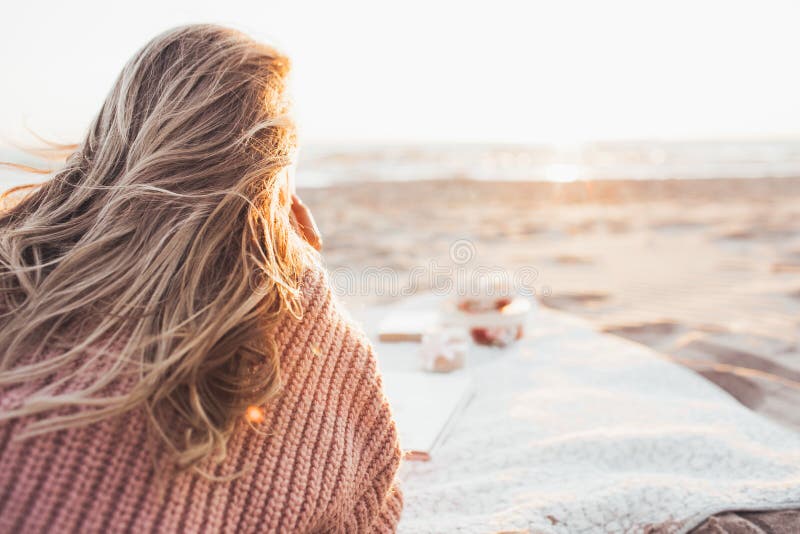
756, 232
677, 226
571, 301
742, 389
756, 368
569, 259
652, 334
786, 267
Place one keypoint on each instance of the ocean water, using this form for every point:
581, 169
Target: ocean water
321, 165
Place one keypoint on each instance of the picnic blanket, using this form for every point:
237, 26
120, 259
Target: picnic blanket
577, 431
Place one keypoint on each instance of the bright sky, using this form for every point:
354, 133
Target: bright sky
528, 71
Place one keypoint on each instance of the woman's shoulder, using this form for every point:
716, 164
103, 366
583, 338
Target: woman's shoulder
323, 337
322, 320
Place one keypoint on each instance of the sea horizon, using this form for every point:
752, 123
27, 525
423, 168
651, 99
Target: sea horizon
331, 163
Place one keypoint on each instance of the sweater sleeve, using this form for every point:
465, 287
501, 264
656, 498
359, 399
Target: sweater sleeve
366, 498
376, 452
390, 511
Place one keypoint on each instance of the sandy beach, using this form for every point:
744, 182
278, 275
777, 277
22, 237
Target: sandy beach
707, 272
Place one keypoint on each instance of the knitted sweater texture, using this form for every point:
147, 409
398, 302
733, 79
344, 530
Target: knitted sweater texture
325, 460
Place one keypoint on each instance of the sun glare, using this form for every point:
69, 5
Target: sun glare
564, 172
255, 414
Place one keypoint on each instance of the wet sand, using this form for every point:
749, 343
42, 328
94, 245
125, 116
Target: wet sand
705, 271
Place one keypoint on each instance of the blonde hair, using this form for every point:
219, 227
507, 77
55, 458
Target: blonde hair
160, 258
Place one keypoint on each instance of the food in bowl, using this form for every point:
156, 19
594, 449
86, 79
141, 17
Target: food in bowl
496, 321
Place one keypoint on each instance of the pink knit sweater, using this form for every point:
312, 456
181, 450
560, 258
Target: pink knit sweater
326, 461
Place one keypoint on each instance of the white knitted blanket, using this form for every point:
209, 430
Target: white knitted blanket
577, 431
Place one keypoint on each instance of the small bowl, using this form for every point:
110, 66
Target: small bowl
496, 322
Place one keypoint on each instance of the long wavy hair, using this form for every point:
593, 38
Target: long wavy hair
150, 271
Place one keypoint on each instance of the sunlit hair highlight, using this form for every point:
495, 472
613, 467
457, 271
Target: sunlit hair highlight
150, 272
